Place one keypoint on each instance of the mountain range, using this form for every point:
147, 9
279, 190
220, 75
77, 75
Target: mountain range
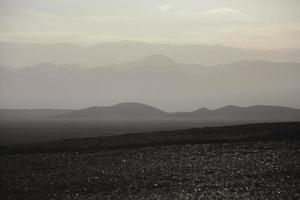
119, 111
138, 111
155, 80
25, 54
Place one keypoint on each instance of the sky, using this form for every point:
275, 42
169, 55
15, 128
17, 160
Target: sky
255, 24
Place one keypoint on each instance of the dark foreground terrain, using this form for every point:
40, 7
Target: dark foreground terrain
33, 131
258, 161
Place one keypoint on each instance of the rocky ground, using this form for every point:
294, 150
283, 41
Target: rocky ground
251, 170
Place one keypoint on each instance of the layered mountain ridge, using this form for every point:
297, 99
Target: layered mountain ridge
138, 111
20, 54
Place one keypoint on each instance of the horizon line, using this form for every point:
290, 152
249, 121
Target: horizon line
152, 43
133, 102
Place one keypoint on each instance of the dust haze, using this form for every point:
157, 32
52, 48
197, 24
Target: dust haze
174, 55
149, 99
156, 80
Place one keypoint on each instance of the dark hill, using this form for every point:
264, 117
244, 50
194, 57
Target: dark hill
230, 112
118, 111
258, 112
137, 111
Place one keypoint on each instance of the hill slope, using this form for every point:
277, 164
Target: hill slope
142, 111
257, 112
119, 111
138, 111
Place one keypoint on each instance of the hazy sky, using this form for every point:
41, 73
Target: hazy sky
243, 23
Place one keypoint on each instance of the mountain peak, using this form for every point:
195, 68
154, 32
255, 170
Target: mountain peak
128, 110
158, 59
130, 104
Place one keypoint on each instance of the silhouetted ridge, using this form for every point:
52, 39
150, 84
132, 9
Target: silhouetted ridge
157, 59
258, 112
229, 109
230, 112
136, 111
154, 79
122, 110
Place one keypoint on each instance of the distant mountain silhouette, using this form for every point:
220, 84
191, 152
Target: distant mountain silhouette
137, 111
156, 62
24, 54
157, 80
119, 111
156, 59
142, 111
258, 112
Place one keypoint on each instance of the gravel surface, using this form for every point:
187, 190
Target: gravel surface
253, 170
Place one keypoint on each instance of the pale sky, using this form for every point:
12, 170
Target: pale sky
262, 24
